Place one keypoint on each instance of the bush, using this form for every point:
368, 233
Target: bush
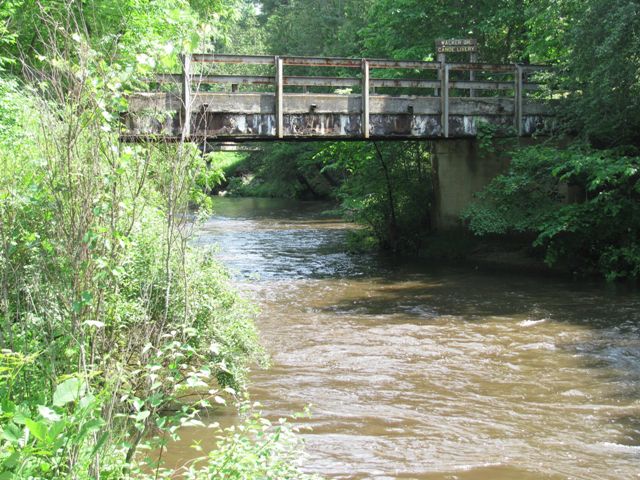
108, 315
387, 187
255, 449
600, 233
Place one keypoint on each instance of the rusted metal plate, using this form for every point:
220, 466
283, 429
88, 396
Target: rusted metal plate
538, 108
467, 125
144, 123
246, 103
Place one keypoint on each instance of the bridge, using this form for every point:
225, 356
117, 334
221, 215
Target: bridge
385, 100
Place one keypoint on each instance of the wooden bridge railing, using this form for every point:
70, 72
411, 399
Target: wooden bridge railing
442, 86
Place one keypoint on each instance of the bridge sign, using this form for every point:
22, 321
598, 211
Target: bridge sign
457, 45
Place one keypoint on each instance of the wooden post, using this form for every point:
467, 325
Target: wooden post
517, 101
442, 59
279, 97
444, 100
234, 88
365, 98
186, 96
472, 74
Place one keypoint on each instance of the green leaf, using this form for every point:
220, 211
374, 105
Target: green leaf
68, 391
12, 460
37, 429
12, 433
141, 416
77, 307
55, 430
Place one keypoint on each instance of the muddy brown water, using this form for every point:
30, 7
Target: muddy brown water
425, 372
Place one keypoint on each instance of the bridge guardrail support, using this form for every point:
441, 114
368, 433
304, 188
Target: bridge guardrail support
472, 73
517, 102
279, 97
444, 100
365, 98
186, 96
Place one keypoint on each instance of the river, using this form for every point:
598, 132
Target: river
430, 372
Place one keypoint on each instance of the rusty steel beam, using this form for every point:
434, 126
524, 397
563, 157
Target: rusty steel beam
322, 81
535, 68
479, 85
356, 62
323, 62
314, 61
412, 64
235, 79
287, 80
219, 58
404, 83
519, 94
317, 81
482, 67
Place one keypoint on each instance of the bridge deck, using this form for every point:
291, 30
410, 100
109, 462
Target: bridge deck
447, 106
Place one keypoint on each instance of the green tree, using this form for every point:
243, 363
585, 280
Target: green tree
387, 188
7, 36
599, 233
602, 73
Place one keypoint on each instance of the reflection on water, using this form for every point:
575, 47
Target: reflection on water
422, 372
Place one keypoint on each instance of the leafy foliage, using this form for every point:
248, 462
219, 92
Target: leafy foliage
108, 314
282, 170
255, 449
602, 72
599, 233
387, 188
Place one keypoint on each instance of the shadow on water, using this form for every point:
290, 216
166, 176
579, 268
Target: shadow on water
477, 295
